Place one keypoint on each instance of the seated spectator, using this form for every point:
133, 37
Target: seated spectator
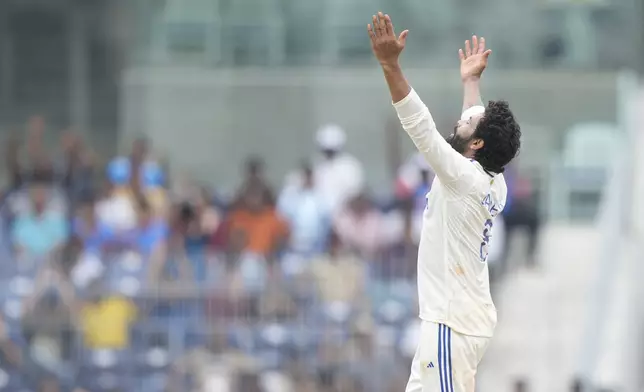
338, 275
275, 302
307, 214
40, 231
93, 234
264, 230
117, 207
178, 267
10, 353
106, 319
148, 238
48, 324
197, 221
359, 226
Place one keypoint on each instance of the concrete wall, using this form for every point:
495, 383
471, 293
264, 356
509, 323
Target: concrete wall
209, 121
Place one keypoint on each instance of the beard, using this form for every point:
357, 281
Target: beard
459, 144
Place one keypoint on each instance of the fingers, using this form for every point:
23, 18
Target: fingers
376, 26
372, 34
403, 37
389, 26
382, 24
476, 46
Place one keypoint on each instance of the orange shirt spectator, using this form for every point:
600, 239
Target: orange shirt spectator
263, 229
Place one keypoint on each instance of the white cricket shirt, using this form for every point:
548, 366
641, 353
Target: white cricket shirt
453, 279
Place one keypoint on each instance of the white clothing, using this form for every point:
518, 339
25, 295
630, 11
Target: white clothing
453, 278
497, 243
445, 360
331, 137
338, 179
117, 212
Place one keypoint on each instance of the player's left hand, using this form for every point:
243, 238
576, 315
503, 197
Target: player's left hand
473, 59
384, 43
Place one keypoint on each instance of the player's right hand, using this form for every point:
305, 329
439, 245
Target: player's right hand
384, 43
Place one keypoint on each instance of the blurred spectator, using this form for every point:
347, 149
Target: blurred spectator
360, 226
521, 212
148, 239
307, 214
179, 266
39, 231
10, 352
275, 301
254, 178
198, 221
152, 188
93, 233
48, 324
106, 319
116, 209
414, 183
338, 175
264, 231
75, 167
139, 155
338, 275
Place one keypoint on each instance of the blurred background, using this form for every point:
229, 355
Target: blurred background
215, 195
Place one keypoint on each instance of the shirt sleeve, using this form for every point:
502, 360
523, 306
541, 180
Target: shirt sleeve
452, 168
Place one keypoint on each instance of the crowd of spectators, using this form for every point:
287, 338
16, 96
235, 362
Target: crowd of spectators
117, 277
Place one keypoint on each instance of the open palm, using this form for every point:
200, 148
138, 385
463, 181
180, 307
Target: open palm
473, 58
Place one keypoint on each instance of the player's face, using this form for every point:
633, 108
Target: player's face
462, 138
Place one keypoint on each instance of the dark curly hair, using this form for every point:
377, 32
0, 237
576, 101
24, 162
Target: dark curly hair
501, 135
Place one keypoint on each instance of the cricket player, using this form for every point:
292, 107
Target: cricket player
468, 192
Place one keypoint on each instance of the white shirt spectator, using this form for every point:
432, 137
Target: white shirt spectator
339, 176
117, 212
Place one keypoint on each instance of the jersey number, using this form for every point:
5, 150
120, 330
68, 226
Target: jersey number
485, 243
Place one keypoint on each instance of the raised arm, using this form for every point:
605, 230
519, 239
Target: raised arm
451, 167
473, 63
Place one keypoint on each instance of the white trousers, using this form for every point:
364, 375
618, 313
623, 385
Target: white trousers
445, 361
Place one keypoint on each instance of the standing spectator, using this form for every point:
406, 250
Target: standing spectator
307, 214
520, 212
139, 155
39, 231
360, 226
255, 179
75, 168
152, 181
338, 175
264, 231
